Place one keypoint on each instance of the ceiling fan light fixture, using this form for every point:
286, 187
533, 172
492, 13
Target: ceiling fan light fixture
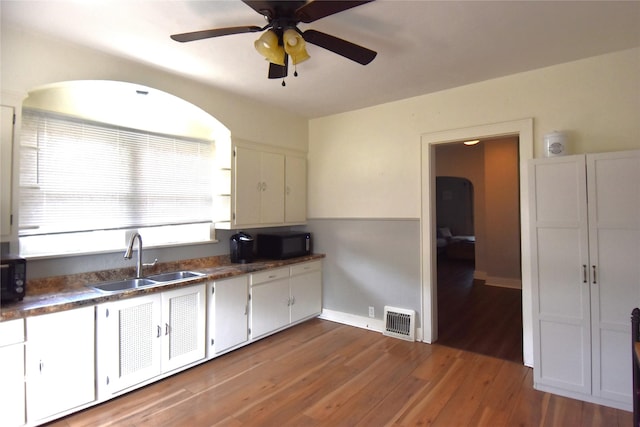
295, 46
267, 46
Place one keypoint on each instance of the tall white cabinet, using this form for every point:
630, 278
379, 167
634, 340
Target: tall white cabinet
585, 213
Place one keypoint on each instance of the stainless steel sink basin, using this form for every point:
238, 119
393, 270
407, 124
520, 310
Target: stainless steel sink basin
122, 285
157, 279
174, 276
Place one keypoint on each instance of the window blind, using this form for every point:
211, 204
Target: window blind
77, 175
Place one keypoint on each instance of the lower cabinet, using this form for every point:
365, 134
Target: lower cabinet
60, 362
143, 337
227, 316
12, 389
284, 296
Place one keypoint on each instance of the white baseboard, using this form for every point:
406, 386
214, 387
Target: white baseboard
503, 282
363, 322
353, 320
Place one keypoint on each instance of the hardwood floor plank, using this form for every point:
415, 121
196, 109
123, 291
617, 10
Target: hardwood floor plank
323, 374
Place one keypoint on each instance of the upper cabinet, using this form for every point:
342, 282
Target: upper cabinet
261, 187
6, 154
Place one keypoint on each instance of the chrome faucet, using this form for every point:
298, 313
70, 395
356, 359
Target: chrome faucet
128, 253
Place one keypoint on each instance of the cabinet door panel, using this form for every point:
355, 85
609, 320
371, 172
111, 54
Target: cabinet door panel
306, 293
60, 359
269, 307
229, 319
6, 150
184, 326
295, 189
12, 390
614, 241
248, 186
560, 275
272, 200
129, 342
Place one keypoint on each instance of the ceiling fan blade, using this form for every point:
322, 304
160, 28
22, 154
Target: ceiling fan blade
279, 71
314, 10
349, 50
205, 34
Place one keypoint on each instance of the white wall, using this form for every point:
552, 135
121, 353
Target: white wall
30, 61
366, 164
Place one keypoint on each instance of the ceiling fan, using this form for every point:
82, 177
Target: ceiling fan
283, 39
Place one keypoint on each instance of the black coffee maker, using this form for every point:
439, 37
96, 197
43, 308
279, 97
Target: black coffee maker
241, 248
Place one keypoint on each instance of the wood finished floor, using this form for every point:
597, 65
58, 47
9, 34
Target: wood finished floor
322, 373
475, 317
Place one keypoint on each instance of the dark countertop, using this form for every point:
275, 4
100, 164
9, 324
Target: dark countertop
68, 292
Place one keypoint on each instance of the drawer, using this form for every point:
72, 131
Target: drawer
11, 332
306, 267
269, 275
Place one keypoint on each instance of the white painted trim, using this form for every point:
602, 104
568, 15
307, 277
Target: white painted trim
480, 275
353, 320
524, 129
503, 282
363, 322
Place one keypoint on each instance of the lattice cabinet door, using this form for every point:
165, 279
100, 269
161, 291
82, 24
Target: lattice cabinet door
183, 326
129, 341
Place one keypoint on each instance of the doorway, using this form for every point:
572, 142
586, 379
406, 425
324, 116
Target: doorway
479, 302
523, 129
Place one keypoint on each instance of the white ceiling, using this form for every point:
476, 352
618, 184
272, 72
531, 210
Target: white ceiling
423, 46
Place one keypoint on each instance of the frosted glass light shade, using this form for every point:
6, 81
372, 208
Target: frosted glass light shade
267, 46
295, 46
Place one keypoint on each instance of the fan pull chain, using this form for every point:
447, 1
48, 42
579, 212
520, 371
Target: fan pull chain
283, 83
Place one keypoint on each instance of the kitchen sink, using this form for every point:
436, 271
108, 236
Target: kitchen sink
157, 279
122, 285
174, 276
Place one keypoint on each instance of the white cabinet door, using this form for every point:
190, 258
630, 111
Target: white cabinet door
129, 342
295, 211
585, 246
560, 259
227, 314
6, 150
259, 187
270, 303
60, 362
272, 196
183, 324
614, 242
12, 388
248, 186
306, 290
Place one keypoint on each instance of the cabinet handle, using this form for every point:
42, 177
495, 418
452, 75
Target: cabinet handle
293, 300
40, 366
166, 329
264, 186
259, 187
594, 274
288, 191
159, 331
584, 273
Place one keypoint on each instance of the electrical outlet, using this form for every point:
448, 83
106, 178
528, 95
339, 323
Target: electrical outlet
372, 312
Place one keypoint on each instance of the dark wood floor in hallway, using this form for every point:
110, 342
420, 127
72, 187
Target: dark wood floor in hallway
321, 373
475, 317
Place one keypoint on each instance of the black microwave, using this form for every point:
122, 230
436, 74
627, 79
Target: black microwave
283, 245
13, 278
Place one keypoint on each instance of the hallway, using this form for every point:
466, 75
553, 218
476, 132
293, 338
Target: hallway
477, 318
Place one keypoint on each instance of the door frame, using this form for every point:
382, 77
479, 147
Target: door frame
524, 130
